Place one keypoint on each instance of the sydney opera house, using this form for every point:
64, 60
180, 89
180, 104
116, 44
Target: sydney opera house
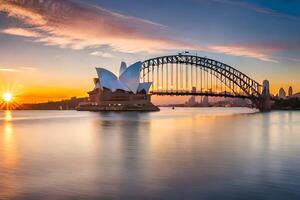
123, 93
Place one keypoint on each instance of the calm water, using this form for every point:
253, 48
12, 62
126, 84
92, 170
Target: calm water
173, 154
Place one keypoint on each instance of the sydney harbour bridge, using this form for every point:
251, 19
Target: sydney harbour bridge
184, 74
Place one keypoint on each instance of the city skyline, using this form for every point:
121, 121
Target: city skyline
49, 49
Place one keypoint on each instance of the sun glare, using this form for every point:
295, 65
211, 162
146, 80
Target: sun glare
7, 97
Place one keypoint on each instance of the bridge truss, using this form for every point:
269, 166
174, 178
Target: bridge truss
193, 75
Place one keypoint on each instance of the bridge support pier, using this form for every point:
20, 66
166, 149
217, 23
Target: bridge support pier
265, 99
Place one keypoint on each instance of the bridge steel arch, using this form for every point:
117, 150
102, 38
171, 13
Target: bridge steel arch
227, 75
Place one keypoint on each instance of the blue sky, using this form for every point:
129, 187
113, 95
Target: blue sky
60, 42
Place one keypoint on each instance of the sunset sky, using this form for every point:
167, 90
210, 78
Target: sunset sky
49, 48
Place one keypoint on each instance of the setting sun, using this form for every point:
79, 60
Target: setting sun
7, 97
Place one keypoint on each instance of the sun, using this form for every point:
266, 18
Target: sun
7, 97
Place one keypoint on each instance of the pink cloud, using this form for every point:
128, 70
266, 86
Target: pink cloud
260, 51
102, 54
77, 25
237, 50
14, 9
21, 32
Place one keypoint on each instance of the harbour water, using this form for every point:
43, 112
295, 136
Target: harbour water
186, 153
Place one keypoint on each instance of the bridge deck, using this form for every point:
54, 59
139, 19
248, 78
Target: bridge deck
205, 93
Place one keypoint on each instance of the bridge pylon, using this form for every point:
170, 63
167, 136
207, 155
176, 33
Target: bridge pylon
265, 98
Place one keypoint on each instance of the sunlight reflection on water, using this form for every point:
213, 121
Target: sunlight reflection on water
173, 154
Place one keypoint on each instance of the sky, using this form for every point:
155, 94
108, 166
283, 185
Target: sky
49, 48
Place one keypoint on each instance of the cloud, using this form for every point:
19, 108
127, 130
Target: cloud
9, 70
77, 25
297, 60
15, 9
28, 68
17, 70
102, 54
258, 9
238, 50
261, 51
21, 32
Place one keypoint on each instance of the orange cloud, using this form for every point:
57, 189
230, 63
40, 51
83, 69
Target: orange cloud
9, 70
19, 69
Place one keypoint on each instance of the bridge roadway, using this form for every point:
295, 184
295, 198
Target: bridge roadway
203, 93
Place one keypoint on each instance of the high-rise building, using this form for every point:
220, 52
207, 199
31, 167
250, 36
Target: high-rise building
266, 87
290, 93
205, 101
191, 101
281, 93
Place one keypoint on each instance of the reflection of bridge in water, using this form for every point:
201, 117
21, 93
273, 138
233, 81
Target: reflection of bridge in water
193, 75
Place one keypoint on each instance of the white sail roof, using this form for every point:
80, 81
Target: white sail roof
109, 80
122, 68
131, 76
144, 86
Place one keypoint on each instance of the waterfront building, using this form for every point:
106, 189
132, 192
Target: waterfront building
205, 101
124, 92
297, 95
290, 92
191, 101
281, 93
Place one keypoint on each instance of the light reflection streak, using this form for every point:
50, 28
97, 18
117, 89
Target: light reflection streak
9, 158
8, 116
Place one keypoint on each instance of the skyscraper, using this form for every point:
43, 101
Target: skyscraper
281, 93
205, 101
290, 93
